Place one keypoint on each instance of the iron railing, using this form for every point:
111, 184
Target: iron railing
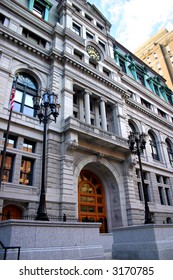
6, 248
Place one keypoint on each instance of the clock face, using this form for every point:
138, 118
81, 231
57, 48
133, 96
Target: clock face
93, 53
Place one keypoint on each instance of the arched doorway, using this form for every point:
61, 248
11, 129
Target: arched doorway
91, 199
11, 212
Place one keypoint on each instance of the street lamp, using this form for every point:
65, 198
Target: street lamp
137, 145
47, 109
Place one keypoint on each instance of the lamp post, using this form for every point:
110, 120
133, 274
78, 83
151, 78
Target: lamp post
137, 145
47, 109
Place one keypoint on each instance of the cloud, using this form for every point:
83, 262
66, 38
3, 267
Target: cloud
135, 21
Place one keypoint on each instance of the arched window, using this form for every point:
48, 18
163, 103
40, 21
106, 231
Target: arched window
153, 144
133, 127
26, 88
169, 150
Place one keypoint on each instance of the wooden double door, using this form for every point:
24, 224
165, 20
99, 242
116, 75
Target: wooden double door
11, 212
91, 199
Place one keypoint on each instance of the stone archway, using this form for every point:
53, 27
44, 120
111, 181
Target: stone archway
11, 211
91, 200
111, 178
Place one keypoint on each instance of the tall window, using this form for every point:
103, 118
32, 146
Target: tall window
164, 189
11, 141
170, 151
26, 171
154, 148
76, 29
146, 185
122, 64
8, 168
140, 77
26, 88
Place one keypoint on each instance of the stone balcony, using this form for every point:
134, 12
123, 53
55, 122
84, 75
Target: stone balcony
95, 136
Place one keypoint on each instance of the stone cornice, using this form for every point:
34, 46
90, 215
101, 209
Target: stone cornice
148, 112
22, 42
97, 75
64, 57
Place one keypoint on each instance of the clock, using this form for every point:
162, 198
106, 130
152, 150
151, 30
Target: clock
93, 53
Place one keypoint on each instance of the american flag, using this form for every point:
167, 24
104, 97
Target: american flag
13, 91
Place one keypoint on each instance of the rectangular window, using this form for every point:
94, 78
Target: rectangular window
99, 26
161, 113
165, 180
156, 89
158, 178
167, 192
31, 36
8, 168
78, 54
11, 141
26, 172
102, 44
161, 194
76, 29
93, 63
76, 8
2, 18
145, 103
28, 146
122, 65
88, 17
89, 35
39, 9
146, 186
140, 78
106, 72
140, 191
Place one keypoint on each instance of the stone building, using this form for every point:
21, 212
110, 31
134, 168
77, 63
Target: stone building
104, 91
157, 52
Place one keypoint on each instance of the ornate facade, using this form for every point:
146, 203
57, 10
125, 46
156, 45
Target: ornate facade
105, 91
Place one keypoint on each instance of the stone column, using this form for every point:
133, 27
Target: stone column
81, 108
87, 106
97, 115
103, 113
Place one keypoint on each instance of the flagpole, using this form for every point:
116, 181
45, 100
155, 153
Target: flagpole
8, 129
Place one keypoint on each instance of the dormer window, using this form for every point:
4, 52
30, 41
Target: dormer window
40, 8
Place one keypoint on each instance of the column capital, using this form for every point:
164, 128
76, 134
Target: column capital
87, 91
103, 99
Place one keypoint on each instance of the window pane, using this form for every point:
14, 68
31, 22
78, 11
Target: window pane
18, 96
28, 146
7, 171
28, 111
29, 100
11, 141
26, 172
17, 107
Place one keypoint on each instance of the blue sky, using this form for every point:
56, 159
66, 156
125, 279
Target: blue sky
135, 21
